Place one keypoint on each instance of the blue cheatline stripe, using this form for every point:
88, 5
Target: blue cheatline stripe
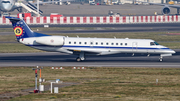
98, 47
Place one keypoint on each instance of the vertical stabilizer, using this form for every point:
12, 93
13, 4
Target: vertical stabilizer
22, 30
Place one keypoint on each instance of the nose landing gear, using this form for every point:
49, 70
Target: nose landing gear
161, 59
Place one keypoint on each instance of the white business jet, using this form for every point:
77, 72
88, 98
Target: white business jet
85, 46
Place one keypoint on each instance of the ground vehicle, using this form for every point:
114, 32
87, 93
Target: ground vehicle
92, 3
171, 2
115, 2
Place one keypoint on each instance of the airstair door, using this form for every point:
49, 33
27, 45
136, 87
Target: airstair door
134, 46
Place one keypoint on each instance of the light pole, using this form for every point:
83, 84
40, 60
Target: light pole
36, 69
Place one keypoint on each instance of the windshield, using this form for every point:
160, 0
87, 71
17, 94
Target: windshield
156, 43
5, 1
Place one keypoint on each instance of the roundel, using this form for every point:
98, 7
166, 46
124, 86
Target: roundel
18, 31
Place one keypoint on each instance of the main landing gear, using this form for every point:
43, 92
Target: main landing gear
19, 9
81, 57
78, 59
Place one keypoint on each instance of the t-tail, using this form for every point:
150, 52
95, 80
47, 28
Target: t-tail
22, 30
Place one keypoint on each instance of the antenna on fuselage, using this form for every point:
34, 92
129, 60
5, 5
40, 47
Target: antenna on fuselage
114, 37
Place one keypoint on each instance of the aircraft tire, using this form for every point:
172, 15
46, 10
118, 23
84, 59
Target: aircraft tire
78, 59
160, 59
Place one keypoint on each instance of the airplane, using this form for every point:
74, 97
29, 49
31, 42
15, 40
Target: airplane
166, 9
83, 47
9, 5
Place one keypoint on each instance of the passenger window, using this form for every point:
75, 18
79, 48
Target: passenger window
91, 43
85, 43
101, 43
121, 44
126, 44
74, 42
116, 43
79, 42
106, 43
112, 43
69, 42
96, 43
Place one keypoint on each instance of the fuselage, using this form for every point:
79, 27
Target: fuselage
100, 46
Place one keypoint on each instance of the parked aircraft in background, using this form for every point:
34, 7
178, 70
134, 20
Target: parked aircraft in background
166, 7
10, 5
85, 46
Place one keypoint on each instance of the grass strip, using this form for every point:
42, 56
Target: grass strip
99, 83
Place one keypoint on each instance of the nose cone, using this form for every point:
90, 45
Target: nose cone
167, 50
6, 7
173, 52
170, 51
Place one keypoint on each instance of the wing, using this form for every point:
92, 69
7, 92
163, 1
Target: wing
173, 6
51, 2
93, 51
86, 51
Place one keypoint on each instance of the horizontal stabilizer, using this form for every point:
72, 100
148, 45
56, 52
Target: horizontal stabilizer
13, 19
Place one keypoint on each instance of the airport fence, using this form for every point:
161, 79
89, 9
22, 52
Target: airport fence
97, 20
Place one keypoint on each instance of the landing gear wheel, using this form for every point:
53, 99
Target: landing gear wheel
160, 59
78, 59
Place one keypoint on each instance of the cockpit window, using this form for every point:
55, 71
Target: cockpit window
153, 43
156, 43
5, 1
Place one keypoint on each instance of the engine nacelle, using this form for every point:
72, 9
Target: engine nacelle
165, 10
51, 40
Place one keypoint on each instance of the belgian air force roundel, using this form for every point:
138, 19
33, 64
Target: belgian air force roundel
18, 31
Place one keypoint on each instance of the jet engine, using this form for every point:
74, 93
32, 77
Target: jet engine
51, 40
166, 10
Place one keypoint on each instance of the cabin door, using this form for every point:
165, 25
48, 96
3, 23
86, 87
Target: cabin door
134, 46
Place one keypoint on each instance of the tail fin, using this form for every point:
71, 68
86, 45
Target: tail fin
22, 30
